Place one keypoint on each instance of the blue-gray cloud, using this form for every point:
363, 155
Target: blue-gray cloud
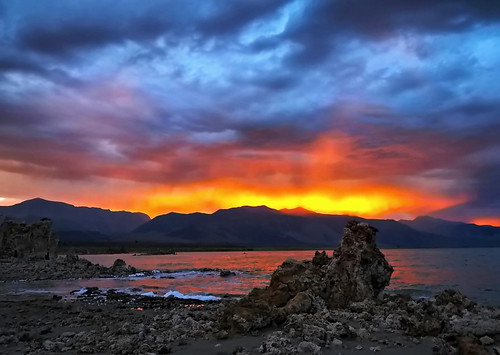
121, 81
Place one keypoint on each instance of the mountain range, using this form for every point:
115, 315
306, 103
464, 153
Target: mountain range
76, 223
245, 226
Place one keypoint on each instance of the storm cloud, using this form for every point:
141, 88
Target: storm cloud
289, 95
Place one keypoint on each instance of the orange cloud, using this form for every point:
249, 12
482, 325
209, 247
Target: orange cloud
332, 173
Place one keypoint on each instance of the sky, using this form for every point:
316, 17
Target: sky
386, 109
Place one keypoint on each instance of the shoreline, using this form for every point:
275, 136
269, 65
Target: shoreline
92, 322
125, 324
111, 322
118, 249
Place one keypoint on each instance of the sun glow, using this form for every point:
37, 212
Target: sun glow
367, 201
486, 221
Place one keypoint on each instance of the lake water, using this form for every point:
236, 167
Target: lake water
419, 272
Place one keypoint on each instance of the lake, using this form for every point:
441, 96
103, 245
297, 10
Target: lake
419, 272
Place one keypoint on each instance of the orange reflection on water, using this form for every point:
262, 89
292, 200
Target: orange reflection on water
420, 272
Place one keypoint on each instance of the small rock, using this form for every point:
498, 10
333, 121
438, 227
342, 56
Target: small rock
375, 348
49, 345
227, 273
86, 349
363, 333
240, 351
119, 264
358, 347
45, 330
308, 348
337, 342
486, 340
221, 335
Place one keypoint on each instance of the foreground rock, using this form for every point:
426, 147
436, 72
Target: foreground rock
116, 323
358, 271
121, 324
22, 241
328, 302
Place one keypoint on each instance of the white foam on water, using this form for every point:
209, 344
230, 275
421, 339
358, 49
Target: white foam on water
81, 291
149, 294
188, 296
137, 274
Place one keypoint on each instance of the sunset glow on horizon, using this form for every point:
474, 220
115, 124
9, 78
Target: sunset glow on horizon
487, 221
369, 202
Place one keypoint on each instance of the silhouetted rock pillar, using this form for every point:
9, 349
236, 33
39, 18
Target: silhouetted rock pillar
358, 270
31, 241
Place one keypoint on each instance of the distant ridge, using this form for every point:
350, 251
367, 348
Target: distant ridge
469, 234
247, 226
265, 227
297, 211
71, 222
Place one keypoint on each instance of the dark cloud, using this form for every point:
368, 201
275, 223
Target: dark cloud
276, 82
256, 91
231, 16
328, 24
15, 64
484, 196
64, 39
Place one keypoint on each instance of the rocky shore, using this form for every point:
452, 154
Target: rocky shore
61, 268
327, 305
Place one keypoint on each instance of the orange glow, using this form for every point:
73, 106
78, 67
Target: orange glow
486, 221
334, 173
365, 201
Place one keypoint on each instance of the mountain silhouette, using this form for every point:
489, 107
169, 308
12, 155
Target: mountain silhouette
265, 227
246, 226
72, 223
458, 233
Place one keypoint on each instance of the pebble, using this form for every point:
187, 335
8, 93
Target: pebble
49, 345
337, 342
308, 347
486, 340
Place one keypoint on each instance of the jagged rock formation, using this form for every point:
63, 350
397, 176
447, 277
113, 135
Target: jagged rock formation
358, 271
27, 241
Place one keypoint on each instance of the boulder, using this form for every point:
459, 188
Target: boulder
357, 272
19, 240
119, 264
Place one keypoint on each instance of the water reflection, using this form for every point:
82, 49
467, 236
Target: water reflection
420, 272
